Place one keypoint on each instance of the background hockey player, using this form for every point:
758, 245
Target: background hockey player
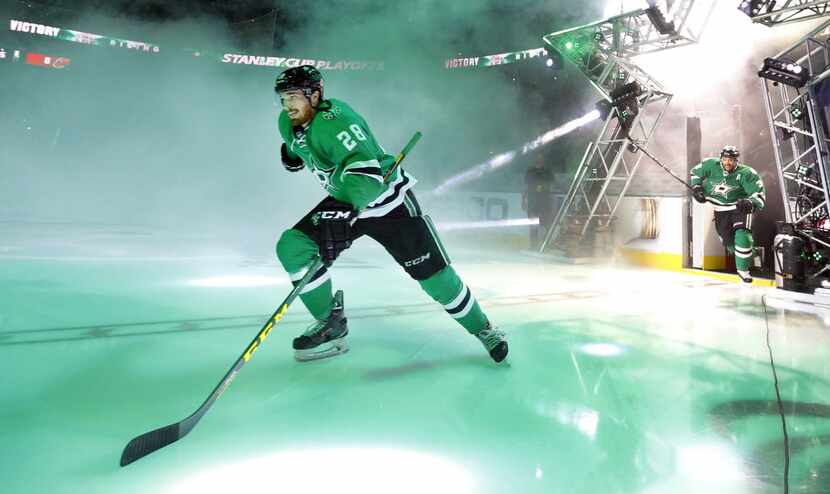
736, 191
334, 143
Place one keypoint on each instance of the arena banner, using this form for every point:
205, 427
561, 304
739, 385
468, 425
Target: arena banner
493, 60
32, 58
285, 62
80, 36
41, 60
73, 36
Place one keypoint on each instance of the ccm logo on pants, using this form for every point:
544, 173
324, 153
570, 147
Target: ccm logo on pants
335, 215
415, 262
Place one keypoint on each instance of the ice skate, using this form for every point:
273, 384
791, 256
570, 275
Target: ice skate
324, 338
494, 342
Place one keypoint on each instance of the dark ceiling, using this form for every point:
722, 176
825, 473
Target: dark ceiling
156, 10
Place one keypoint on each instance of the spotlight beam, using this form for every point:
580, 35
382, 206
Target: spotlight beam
503, 159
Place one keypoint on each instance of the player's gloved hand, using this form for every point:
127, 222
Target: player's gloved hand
290, 164
335, 230
744, 206
698, 194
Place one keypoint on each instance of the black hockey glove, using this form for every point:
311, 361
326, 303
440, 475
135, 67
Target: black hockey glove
744, 206
698, 194
290, 164
335, 230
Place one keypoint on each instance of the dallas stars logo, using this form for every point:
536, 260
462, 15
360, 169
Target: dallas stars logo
299, 138
332, 113
323, 175
722, 189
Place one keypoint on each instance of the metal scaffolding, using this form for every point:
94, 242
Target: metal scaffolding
775, 12
596, 47
602, 51
606, 172
799, 128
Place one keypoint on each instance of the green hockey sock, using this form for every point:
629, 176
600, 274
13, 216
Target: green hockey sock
446, 288
743, 249
318, 300
295, 251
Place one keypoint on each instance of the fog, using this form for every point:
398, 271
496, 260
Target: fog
188, 145
185, 145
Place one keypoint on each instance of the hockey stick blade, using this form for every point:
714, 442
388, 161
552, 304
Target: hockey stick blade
147, 443
154, 440
143, 445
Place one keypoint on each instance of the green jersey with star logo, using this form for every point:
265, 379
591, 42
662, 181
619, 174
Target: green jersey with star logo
725, 189
338, 147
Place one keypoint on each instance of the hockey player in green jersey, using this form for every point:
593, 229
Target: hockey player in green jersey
328, 138
735, 190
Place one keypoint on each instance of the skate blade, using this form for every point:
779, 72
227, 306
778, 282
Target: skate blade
325, 350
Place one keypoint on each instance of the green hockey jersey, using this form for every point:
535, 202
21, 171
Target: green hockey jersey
338, 147
725, 189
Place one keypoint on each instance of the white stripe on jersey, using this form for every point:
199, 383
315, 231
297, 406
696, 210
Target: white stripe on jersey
378, 211
389, 190
374, 164
370, 175
362, 164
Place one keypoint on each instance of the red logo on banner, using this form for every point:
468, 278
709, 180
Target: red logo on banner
46, 60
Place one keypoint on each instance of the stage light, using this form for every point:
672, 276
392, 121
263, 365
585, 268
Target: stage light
797, 111
553, 61
624, 98
658, 20
569, 45
753, 8
784, 71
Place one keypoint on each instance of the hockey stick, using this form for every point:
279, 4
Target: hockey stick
147, 443
661, 165
406, 149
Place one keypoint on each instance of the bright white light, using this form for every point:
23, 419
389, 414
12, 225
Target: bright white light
237, 281
549, 62
602, 349
583, 419
501, 160
587, 423
709, 462
328, 471
728, 43
469, 225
